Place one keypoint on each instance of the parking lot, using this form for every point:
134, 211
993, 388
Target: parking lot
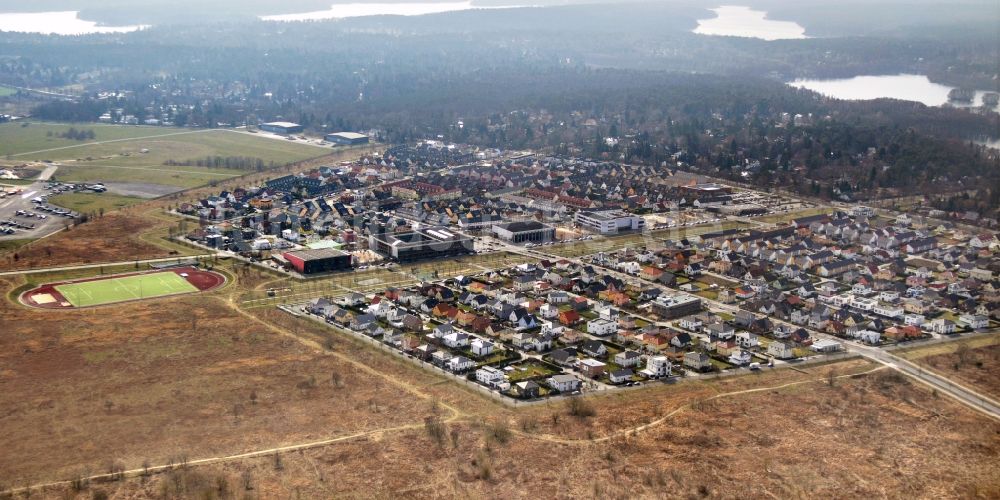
25, 213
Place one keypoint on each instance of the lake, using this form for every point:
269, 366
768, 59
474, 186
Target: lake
745, 22
56, 23
345, 10
907, 87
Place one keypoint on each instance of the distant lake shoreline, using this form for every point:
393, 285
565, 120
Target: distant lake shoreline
348, 10
908, 87
57, 23
69, 23
741, 21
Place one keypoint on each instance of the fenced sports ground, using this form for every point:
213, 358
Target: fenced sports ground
102, 290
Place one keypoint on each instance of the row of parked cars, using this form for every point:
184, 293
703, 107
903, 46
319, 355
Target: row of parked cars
41, 205
11, 226
547, 243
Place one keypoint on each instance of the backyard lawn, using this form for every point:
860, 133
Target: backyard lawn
527, 370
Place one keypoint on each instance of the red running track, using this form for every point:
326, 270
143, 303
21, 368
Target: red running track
201, 279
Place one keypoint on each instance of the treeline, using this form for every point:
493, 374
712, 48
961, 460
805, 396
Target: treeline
85, 110
232, 162
74, 134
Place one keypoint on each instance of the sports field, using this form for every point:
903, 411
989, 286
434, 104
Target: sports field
93, 293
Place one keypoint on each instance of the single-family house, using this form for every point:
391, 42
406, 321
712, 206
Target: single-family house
940, 326
697, 361
481, 347
657, 367
563, 383
460, 364
591, 367
739, 357
569, 317
621, 376
594, 348
781, 350
747, 340
489, 376
974, 321
549, 311
526, 390
564, 357
601, 327
628, 359
456, 340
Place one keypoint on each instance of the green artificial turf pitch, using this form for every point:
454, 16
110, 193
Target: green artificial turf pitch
111, 290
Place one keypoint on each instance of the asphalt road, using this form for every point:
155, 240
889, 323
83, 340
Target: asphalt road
105, 264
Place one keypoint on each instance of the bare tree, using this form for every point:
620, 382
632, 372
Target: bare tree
435, 429
578, 407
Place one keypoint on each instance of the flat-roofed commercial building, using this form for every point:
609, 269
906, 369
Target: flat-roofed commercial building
609, 221
346, 138
524, 232
283, 128
318, 261
676, 306
420, 244
706, 189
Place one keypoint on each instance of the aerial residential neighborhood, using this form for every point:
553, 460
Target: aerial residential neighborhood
568, 249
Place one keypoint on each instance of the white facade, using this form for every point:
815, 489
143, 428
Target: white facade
941, 326
601, 327
740, 358
746, 339
657, 367
888, 310
460, 363
780, 350
489, 376
627, 359
563, 383
481, 347
609, 222
974, 321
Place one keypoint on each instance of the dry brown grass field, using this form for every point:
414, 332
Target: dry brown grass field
873, 435
974, 362
161, 380
107, 239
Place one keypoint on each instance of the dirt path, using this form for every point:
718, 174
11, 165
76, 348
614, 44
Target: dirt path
456, 417
230, 302
675, 411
